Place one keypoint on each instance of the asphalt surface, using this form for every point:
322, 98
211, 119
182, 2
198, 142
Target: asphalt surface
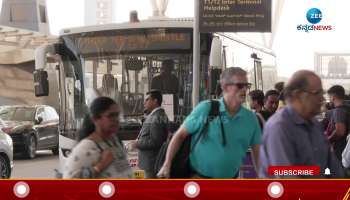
42, 166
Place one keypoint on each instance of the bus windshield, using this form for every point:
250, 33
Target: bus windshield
127, 79
126, 64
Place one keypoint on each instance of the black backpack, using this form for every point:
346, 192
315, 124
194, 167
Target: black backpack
180, 167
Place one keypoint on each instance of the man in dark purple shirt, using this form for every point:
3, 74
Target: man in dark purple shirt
293, 137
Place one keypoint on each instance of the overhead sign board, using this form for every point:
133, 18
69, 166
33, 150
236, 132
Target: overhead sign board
234, 16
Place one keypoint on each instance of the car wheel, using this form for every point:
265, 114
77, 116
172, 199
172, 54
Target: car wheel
5, 167
55, 150
31, 147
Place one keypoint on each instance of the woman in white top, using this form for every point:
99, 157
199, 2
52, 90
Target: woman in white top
99, 154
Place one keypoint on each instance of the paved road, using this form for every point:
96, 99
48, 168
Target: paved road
42, 166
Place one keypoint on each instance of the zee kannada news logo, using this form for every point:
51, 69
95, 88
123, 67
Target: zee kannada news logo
314, 16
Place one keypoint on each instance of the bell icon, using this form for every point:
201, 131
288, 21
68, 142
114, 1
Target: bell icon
327, 171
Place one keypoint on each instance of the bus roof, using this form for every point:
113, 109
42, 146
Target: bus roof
150, 23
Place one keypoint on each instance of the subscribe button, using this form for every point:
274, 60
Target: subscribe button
294, 170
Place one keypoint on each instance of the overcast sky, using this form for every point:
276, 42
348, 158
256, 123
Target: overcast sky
294, 49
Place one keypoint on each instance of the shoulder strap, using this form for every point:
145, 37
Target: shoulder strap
116, 138
214, 108
98, 145
106, 142
213, 113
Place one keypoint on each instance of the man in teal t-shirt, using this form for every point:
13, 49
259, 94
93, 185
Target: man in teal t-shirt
211, 157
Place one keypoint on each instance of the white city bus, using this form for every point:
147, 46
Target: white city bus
120, 60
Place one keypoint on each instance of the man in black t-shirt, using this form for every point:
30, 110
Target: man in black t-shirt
339, 120
167, 82
271, 101
256, 103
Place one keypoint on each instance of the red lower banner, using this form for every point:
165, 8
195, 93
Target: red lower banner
175, 189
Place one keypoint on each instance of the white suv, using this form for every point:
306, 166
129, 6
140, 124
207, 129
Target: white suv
6, 155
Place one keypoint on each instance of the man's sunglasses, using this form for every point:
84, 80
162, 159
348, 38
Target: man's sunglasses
241, 85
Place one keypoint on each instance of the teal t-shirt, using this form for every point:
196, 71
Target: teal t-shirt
210, 157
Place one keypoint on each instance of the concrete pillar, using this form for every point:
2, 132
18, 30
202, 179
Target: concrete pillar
25, 14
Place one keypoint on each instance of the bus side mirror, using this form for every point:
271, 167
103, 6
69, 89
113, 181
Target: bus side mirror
215, 65
215, 58
41, 84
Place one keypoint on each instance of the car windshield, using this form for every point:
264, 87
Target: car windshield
17, 114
